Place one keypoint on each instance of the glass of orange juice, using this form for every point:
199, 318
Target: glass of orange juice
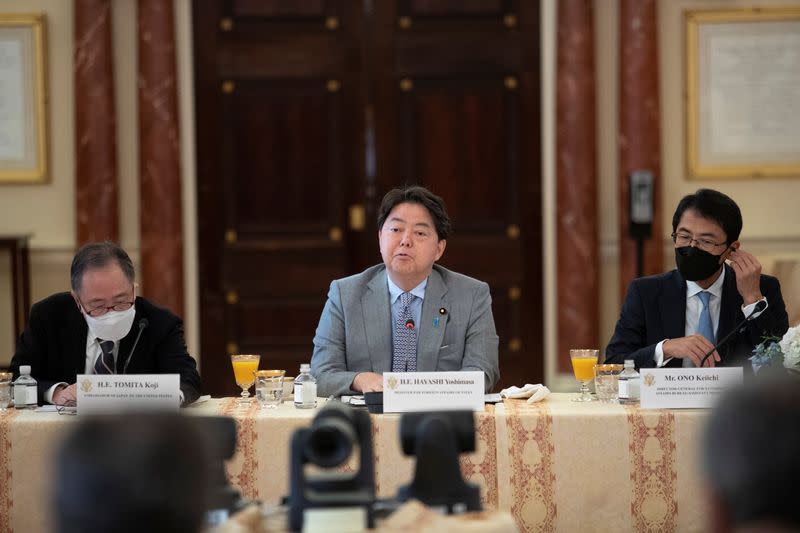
583, 361
244, 370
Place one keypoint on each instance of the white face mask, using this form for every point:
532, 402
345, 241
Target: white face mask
111, 326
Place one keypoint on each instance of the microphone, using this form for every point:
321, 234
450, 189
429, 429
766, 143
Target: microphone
410, 323
143, 323
760, 306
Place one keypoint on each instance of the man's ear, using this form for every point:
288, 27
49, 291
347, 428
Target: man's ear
733, 246
75, 299
440, 246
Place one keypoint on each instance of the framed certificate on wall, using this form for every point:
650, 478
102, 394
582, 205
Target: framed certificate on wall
23, 135
743, 93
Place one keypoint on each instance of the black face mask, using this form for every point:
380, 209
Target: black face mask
695, 264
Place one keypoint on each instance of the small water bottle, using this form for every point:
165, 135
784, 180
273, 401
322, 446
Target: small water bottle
305, 388
629, 383
25, 389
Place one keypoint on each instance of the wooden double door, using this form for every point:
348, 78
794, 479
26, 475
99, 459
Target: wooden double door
307, 112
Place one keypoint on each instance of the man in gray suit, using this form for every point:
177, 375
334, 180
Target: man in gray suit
407, 314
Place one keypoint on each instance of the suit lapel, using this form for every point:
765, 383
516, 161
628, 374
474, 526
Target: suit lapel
126, 344
673, 302
730, 308
378, 322
77, 334
430, 337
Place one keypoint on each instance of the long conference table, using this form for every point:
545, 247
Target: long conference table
556, 465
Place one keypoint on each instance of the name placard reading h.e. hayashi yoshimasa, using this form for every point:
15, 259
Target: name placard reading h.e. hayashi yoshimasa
405, 392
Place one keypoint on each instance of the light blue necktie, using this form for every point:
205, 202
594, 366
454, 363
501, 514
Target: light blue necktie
704, 325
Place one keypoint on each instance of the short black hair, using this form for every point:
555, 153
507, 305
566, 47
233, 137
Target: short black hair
715, 206
416, 194
99, 255
751, 451
138, 472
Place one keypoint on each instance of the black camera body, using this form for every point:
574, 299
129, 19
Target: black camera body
328, 444
437, 439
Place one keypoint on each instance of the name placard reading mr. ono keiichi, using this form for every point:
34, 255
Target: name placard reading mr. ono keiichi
685, 388
110, 393
405, 392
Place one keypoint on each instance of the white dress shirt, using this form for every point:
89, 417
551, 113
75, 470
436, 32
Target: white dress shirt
93, 351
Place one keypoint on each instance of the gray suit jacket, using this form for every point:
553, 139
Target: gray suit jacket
355, 330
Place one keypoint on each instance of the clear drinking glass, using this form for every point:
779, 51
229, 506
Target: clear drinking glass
5, 390
244, 370
606, 382
269, 388
583, 361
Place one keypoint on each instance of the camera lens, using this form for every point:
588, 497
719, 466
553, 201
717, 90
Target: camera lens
330, 443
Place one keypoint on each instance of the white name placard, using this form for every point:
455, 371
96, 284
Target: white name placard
112, 393
405, 392
685, 388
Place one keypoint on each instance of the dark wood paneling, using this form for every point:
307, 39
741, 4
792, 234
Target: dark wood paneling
453, 8
457, 110
278, 86
302, 114
273, 127
278, 8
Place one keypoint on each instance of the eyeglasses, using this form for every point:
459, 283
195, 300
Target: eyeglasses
685, 239
103, 309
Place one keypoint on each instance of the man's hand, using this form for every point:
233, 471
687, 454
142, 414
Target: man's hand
748, 275
64, 395
368, 382
694, 347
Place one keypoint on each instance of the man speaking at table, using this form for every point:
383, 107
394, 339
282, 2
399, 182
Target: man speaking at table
676, 318
101, 327
407, 314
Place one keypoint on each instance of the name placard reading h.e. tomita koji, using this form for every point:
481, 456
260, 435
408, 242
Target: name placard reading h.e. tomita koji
113, 393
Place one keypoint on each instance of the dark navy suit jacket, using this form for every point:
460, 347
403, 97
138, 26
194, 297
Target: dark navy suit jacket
655, 309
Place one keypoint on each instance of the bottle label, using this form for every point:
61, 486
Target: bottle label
305, 393
633, 389
309, 392
31, 395
24, 395
623, 389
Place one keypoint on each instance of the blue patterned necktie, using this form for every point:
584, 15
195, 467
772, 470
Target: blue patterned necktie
405, 338
105, 363
704, 325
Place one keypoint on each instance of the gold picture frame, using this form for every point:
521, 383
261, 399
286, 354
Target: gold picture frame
741, 73
23, 99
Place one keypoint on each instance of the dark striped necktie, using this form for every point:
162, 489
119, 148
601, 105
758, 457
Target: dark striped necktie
105, 363
405, 338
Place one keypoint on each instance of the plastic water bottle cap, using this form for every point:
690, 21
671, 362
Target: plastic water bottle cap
25, 369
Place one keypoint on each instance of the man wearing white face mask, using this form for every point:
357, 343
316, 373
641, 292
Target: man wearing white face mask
102, 327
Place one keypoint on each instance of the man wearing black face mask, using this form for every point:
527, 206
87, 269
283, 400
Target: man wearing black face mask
674, 319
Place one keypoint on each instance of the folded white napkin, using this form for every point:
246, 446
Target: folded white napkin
534, 393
